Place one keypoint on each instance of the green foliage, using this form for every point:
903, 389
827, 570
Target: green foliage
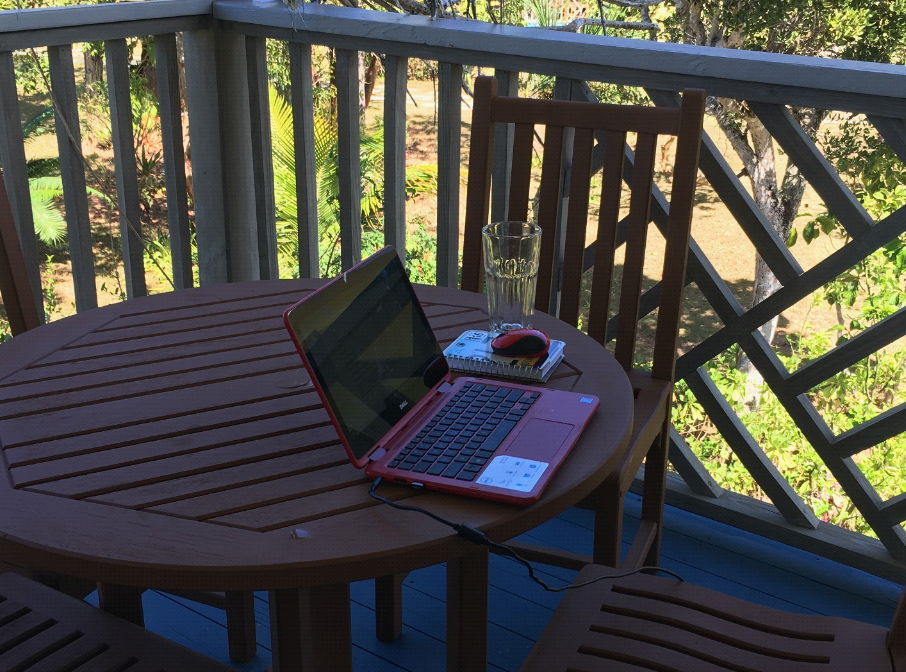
419, 179
421, 253
28, 72
865, 294
870, 30
278, 66
848, 399
874, 288
50, 226
510, 12
45, 185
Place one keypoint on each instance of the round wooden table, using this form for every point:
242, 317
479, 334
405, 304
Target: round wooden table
175, 442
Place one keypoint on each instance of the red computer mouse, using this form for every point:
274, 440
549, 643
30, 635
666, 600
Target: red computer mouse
521, 343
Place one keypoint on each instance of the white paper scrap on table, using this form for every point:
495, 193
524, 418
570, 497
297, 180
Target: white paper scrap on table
512, 473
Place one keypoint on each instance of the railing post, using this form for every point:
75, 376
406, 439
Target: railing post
395, 68
262, 153
15, 174
207, 178
174, 159
449, 120
237, 157
350, 168
120, 99
72, 173
222, 161
306, 167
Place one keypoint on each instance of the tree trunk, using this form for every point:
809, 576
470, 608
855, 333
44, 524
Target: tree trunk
780, 207
755, 147
371, 74
147, 69
94, 67
362, 96
184, 116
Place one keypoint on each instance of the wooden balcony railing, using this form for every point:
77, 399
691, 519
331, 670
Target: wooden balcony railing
226, 99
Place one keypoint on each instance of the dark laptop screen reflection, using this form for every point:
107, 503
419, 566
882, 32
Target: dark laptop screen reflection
373, 375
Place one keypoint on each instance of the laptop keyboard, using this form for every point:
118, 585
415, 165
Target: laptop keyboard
461, 438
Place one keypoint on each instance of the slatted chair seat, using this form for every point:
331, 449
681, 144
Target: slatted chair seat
643, 623
42, 630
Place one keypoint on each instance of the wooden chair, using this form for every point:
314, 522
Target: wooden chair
642, 623
610, 125
42, 629
22, 312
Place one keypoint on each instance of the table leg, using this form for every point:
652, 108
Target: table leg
311, 629
388, 607
122, 601
240, 617
467, 612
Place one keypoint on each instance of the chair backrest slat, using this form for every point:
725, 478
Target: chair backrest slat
15, 288
682, 202
521, 172
548, 212
605, 250
587, 121
576, 224
478, 190
636, 245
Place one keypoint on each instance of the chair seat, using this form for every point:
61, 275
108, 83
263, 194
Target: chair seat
644, 622
47, 631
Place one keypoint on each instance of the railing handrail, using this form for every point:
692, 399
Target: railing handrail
49, 18
52, 26
777, 78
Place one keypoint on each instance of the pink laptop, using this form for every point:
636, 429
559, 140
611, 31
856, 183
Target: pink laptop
383, 378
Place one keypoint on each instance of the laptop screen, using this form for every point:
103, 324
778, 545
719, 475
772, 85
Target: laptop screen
370, 346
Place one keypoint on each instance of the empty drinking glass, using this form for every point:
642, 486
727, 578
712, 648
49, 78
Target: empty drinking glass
511, 252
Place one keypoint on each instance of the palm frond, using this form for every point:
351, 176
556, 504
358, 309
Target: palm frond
50, 226
43, 167
31, 127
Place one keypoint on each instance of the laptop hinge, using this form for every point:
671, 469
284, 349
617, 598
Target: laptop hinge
445, 386
377, 454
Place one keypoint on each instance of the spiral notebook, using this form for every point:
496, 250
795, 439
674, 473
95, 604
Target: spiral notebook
471, 352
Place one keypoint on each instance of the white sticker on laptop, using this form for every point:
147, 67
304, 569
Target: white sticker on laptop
512, 473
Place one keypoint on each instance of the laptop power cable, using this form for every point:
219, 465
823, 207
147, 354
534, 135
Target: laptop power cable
480, 538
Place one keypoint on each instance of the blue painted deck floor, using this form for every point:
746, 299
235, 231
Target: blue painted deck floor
701, 550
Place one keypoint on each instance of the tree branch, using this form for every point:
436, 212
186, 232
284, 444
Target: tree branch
718, 109
576, 25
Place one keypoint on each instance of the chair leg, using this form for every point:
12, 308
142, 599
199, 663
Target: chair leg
467, 611
388, 607
654, 490
240, 617
608, 532
122, 601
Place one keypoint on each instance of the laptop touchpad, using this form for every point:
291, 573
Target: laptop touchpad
539, 440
